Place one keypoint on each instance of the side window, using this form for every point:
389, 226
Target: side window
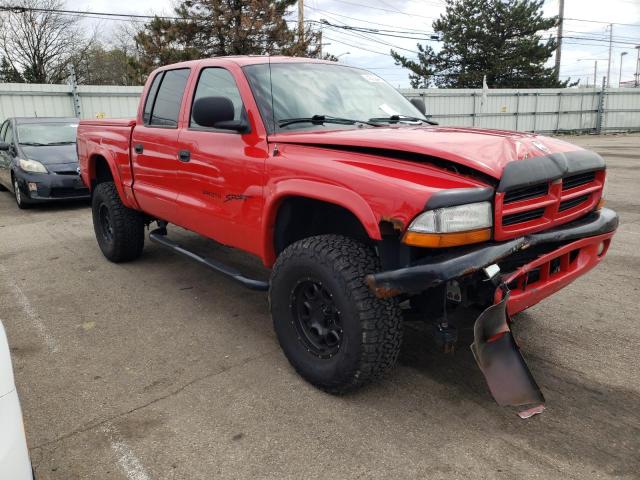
8, 134
151, 96
218, 82
166, 106
3, 131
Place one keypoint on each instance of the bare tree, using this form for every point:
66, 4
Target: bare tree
38, 41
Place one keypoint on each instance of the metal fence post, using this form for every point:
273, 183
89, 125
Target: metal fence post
75, 98
600, 115
473, 115
517, 109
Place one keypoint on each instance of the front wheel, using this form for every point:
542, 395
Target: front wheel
332, 328
18, 196
119, 230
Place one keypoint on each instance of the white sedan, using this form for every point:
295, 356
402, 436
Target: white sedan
14, 456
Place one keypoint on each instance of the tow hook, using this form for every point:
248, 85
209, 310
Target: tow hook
498, 356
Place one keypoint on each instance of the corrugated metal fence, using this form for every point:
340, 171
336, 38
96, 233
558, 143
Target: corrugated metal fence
539, 110
536, 110
35, 100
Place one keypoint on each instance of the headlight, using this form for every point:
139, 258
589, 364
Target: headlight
31, 166
451, 226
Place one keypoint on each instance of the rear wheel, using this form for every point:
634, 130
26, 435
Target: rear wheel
334, 331
119, 230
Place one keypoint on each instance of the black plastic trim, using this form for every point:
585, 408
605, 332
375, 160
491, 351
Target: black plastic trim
535, 170
436, 270
458, 196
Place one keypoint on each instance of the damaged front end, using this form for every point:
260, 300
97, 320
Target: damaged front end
531, 268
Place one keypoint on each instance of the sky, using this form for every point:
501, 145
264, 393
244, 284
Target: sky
586, 31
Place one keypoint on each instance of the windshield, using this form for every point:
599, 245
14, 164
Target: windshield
47, 133
305, 90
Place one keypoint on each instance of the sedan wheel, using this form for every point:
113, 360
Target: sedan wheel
18, 195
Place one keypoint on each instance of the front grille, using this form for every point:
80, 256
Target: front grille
525, 193
567, 204
577, 180
67, 172
522, 216
536, 207
68, 192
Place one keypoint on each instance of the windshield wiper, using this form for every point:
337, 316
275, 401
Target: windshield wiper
59, 143
322, 119
400, 118
33, 144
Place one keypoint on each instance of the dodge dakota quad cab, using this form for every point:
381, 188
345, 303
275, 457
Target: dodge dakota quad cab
360, 206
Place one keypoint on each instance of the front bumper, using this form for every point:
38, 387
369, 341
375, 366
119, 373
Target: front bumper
580, 246
51, 187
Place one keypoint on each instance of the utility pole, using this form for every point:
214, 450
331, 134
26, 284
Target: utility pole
637, 82
610, 52
300, 21
622, 54
559, 49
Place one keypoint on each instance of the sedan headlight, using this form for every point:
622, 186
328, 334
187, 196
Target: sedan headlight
31, 166
451, 226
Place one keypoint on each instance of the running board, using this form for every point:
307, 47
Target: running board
159, 236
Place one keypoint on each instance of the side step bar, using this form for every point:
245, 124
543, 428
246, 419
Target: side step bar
159, 236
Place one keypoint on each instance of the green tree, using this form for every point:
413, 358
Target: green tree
501, 39
208, 28
8, 73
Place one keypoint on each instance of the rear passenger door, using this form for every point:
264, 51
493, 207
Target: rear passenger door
154, 145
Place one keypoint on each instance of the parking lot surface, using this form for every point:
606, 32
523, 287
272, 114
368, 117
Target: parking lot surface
161, 369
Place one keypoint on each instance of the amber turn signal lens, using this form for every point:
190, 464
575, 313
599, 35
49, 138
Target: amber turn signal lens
443, 240
601, 203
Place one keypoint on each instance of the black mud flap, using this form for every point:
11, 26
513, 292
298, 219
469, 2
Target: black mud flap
499, 358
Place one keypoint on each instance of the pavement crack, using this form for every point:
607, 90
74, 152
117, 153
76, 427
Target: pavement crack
93, 425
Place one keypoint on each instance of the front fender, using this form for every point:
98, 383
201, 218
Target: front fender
315, 190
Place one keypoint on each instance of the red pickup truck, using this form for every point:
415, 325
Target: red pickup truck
362, 208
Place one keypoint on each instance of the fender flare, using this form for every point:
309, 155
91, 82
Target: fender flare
127, 200
325, 192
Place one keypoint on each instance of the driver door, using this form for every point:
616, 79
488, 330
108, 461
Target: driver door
221, 172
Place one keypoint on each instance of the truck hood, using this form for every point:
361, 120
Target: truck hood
482, 150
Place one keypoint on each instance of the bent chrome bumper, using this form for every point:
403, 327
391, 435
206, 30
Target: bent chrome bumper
585, 234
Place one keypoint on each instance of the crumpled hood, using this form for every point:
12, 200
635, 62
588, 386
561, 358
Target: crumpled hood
483, 150
52, 154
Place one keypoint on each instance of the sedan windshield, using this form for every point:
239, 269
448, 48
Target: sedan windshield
40, 134
346, 97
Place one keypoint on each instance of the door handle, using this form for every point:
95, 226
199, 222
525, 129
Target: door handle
138, 147
184, 155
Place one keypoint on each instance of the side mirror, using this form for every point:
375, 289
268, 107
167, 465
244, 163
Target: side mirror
217, 112
5, 147
419, 104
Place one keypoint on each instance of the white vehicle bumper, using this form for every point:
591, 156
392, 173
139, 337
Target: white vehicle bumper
14, 456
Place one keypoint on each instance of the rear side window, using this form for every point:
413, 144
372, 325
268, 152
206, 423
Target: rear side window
166, 107
151, 96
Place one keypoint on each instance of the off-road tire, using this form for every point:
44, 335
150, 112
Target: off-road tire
371, 327
120, 235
